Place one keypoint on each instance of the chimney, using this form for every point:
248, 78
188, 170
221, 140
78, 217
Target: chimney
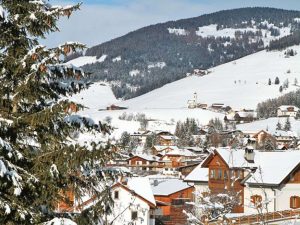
249, 154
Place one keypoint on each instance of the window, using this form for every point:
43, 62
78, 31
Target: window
134, 215
225, 174
220, 173
116, 195
295, 202
256, 200
212, 174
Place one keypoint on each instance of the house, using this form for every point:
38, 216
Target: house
171, 196
165, 138
287, 138
257, 177
241, 117
133, 202
115, 107
162, 149
287, 111
143, 162
176, 158
217, 106
265, 140
141, 136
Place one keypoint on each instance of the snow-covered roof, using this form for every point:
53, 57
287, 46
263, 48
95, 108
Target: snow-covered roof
169, 137
168, 186
286, 107
274, 166
147, 157
283, 133
269, 124
247, 114
163, 147
235, 157
141, 186
198, 174
181, 152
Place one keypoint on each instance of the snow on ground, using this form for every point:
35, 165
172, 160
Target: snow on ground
270, 125
157, 65
83, 60
161, 119
117, 59
177, 31
134, 73
240, 84
211, 30
98, 96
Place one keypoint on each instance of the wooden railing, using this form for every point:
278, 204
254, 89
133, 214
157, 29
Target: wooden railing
257, 219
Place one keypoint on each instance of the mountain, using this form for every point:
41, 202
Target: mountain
153, 56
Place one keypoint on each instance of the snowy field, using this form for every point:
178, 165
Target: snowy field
240, 84
270, 125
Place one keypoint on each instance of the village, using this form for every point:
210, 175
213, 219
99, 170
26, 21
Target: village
239, 166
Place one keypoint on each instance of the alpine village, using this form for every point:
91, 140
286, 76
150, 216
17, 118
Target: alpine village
187, 122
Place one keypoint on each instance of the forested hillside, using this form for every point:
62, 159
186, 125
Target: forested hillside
150, 57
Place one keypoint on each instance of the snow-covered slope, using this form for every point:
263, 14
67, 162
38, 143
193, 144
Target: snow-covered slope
98, 96
240, 84
83, 60
269, 125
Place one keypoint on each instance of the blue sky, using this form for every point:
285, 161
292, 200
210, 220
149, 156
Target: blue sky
102, 20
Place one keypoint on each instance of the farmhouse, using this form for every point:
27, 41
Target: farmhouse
257, 176
287, 111
171, 196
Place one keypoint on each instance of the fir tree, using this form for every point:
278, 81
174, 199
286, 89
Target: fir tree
278, 125
269, 82
276, 81
40, 159
287, 125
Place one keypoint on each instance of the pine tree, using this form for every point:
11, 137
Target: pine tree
287, 125
269, 82
277, 81
278, 125
40, 158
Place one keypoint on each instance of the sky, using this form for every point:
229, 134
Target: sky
99, 21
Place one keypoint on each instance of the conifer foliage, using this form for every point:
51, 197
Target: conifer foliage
39, 157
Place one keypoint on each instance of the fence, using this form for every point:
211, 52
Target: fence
257, 219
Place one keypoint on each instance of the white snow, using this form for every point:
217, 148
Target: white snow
177, 31
198, 174
168, 186
297, 20
98, 96
60, 221
269, 125
84, 60
211, 31
134, 73
240, 84
117, 59
157, 65
141, 186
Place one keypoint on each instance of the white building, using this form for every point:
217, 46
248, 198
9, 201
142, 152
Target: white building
287, 110
134, 202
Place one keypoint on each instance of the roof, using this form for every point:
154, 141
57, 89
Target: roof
169, 137
141, 186
146, 157
169, 186
285, 107
283, 133
181, 152
198, 174
163, 147
274, 166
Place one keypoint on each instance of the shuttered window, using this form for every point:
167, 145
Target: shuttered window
295, 202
